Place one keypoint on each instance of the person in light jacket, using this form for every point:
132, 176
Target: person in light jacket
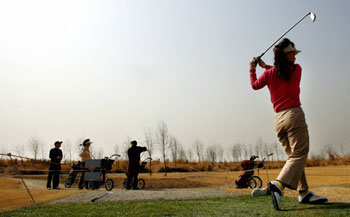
84, 155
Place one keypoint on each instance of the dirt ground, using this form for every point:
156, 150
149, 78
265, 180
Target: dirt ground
13, 194
331, 181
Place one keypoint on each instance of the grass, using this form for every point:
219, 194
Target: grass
229, 206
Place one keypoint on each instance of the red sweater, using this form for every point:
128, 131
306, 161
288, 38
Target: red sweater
284, 94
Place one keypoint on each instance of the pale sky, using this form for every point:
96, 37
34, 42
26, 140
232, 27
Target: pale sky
106, 70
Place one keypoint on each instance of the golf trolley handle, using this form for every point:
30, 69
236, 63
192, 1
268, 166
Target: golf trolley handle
266, 157
115, 155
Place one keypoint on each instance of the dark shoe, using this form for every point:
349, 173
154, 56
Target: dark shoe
136, 188
312, 198
276, 194
48, 188
57, 188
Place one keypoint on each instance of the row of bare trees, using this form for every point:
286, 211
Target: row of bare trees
38, 150
162, 145
165, 146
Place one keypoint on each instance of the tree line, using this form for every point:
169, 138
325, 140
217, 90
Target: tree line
164, 146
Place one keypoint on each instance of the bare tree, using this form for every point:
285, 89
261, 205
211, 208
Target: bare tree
34, 145
265, 150
220, 153
276, 148
258, 147
163, 141
173, 145
99, 154
42, 148
236, 151
233, 152
68, 151
245, 149
182, 153
212, 153
198, 149
177, 151
149, 141
125, 147
20, 150
342, 150
329, 151
189, 154
250, 151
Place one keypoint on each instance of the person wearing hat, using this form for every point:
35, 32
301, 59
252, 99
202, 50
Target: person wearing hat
134, 164
283, 81
84, 155
55, 166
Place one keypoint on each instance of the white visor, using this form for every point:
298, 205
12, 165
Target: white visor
290, 48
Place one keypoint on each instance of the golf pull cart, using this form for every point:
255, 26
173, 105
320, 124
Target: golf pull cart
73, 177
247, 179
97, 176
140, 182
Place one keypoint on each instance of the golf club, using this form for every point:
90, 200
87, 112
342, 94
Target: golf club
103, 195
313, 19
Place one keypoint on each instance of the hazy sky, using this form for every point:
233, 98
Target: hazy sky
106, 70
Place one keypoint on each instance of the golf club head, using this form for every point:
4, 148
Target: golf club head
313, 17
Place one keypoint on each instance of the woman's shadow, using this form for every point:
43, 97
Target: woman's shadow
340, 205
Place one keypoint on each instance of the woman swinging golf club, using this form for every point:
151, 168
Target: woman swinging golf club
283, 81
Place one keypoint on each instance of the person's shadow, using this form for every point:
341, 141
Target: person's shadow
340, 205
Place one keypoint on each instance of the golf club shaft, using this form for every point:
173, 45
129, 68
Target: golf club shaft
103, 195
97, 198
285, 34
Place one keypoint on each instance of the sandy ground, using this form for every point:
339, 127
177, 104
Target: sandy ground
13, 194
331, 181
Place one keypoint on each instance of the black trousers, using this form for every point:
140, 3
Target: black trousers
55, 174
133, 173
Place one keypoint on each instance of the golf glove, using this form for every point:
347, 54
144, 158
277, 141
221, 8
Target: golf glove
253, 63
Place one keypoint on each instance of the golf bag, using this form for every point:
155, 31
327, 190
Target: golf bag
248, 165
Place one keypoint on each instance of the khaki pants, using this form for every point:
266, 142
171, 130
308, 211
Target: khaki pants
292, 132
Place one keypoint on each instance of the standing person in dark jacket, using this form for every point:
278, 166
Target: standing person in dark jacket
55, 166
134, 164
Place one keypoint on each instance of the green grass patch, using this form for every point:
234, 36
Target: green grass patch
228, 206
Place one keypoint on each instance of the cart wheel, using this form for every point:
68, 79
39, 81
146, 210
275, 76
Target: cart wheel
124, 183
141, 183
68, 183
109, 184
252, 183
258, 181
92, 185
